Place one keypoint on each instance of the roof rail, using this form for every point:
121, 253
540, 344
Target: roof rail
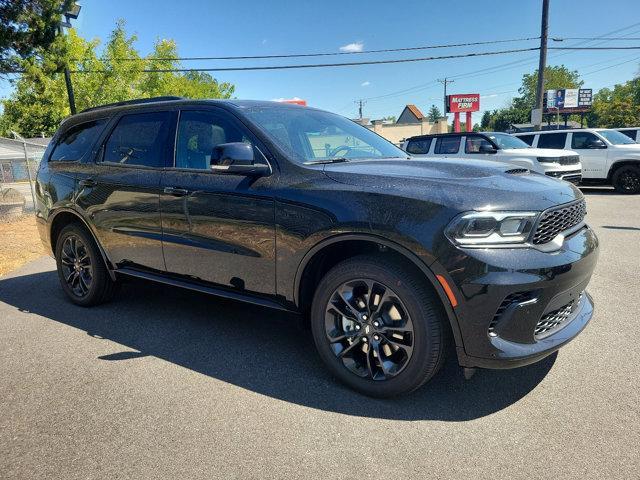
134, 102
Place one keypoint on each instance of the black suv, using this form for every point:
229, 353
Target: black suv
392, 259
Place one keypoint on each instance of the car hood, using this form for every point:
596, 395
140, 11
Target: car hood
463, 184
538, 152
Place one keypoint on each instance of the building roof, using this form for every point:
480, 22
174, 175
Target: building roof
416, 111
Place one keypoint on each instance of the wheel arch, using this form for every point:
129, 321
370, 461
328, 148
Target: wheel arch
65, 216
621, 163
311, 269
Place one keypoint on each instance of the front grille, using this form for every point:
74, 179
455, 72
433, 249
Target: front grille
558, 220
552, 321
570, 160
518, 297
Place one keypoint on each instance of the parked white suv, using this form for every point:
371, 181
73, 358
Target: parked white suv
608, 156
500, 147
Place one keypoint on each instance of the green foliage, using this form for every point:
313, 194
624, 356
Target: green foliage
434, 114
27, 26
617, 108
519, 110
390, 118
39, 101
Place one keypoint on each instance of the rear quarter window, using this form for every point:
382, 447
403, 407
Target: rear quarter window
552, 140
419, 147
528, 139
630, 133
77, 141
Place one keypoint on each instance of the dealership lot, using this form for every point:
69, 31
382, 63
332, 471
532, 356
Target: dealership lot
173, 384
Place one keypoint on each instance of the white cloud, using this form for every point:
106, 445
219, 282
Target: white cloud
352, 47
264, 41
366, 83
282, 99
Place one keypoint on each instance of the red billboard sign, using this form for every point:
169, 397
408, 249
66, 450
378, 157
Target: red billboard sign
465, 102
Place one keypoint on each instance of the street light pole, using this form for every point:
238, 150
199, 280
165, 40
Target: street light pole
544, 32
71, 14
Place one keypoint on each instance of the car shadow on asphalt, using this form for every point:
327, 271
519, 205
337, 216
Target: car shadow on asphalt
258, 349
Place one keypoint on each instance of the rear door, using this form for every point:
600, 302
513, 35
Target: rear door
448, 146
593, 154
120, 190
218, 227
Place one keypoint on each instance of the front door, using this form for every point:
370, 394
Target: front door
120, 191
593, 154
217, 227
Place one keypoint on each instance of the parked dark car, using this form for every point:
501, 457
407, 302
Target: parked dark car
393, 260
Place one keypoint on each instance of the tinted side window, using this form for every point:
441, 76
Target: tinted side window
77, 141
552, 140
473, 144
140, 139
447, 145
199, 132
528, 139
419, 146
582, 139
629, 133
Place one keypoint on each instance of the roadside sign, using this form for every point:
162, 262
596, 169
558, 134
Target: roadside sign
568, 100
536, 116
467, 102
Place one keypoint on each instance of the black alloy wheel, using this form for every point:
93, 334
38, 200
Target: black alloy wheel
81, 269
627, 179
369, 329
378, 325
76, 266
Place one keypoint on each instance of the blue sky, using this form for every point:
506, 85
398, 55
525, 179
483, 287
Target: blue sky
208, 28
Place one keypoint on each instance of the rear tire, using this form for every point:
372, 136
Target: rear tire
81, 269
374, 304
626, 179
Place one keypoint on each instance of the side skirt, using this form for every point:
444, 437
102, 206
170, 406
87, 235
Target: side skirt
209, 289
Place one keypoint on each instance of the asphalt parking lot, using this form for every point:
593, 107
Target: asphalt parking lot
173, 384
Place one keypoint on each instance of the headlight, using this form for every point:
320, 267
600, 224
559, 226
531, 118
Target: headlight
486, 229
548, 159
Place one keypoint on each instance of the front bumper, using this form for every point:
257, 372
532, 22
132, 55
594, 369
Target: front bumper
572, 176
518, 305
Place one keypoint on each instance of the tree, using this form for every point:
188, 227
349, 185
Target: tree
519, 109
434, 114
390, 118
616, 108
27, 26
39, 101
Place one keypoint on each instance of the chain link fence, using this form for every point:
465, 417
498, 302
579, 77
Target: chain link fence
19, 162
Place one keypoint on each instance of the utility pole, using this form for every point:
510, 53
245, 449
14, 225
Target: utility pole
445, 81
544, 31
361, 103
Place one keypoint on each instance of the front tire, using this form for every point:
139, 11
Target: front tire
379, 328
626, 179
82, 272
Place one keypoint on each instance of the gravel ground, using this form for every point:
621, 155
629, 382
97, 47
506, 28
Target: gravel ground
173, 384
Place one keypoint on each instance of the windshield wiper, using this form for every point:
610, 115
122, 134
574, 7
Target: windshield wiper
326, 160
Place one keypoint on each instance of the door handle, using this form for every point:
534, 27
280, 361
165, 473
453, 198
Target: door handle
88, 182
178, 192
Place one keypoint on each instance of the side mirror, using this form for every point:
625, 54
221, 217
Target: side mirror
237, 158
596, 144
484, 148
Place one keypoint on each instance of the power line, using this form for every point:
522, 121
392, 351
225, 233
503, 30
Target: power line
604, 39
326, 54
320, 65
631, 47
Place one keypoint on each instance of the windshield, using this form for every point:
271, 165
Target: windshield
615, 138
315, 136
504, 140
